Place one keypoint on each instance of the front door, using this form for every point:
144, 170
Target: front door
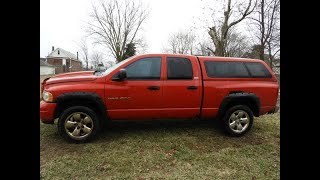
140, 95
182, 88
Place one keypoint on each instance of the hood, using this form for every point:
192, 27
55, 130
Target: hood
79, 73
72, 77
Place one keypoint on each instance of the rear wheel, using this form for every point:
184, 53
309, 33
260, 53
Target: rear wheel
78, 124
238, 120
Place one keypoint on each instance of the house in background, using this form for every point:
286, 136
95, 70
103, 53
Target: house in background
45, 68
276, 66
64, 61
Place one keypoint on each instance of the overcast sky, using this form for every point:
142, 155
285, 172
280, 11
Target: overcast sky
62, 22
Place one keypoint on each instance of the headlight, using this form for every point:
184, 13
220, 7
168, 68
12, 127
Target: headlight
47, 96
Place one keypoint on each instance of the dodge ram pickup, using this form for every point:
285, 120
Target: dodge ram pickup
160, 86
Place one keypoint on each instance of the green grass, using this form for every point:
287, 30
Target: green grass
172, 149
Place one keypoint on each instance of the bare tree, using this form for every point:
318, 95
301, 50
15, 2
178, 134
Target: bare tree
266, 21
219, 33
204, 47
96, 58
141, 45
181, 43
236, 45
84, 51
116, 23
273, 47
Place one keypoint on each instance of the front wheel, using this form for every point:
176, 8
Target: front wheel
78, 124
238, 120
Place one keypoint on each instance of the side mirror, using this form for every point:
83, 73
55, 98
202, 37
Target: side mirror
122, 74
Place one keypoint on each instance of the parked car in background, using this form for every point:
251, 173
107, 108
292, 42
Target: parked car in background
101, 67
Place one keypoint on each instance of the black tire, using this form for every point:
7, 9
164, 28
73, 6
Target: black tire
68, 114
227, 120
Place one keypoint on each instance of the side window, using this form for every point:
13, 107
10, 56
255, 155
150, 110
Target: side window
226, 69
258, 70
179, 68
145, 68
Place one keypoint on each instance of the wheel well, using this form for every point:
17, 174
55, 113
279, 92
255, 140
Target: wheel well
91, 101
61, 107
250, 100
247, 102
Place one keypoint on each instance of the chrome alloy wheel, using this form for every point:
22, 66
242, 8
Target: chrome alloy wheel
78, 125
239, 121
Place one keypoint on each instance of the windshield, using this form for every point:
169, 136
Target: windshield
110, 69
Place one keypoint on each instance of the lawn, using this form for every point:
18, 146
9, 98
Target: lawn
171, 149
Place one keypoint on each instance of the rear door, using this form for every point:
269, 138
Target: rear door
181, 87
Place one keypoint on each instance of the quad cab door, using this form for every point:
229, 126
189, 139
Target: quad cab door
139, 96
182, 87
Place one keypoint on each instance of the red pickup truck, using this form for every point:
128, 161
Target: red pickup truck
160, 86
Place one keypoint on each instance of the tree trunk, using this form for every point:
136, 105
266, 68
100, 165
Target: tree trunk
218, 43
270, 55
219, 49
119, 58
262, 40
87, 62
261, 52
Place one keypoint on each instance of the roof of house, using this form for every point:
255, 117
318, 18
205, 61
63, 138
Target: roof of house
61, 53
43, 63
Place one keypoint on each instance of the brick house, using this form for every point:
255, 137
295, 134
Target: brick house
64, 61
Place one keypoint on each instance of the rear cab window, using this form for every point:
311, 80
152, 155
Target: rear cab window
179, 68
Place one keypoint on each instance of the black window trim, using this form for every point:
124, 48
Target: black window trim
181, 79
244, 64
145, 79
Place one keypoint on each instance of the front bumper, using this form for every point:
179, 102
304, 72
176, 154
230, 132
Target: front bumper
47, 112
